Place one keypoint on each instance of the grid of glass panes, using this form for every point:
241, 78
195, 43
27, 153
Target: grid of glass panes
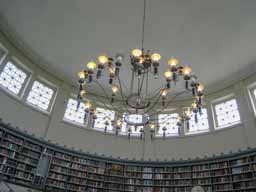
104, 116
168, 121
40, 95
227, 113
202, 124
133, 118
12, 78
73, 114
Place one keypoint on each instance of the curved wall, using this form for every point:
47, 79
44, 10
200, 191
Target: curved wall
52, 127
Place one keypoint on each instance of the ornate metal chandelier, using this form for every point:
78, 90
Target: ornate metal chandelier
143, 64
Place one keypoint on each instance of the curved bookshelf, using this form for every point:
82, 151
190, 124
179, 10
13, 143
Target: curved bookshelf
36, 163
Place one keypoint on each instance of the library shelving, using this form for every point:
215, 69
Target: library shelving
36, 163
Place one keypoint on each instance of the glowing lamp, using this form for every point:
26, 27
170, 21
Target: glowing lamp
91, 65
155, 57
136, 52
115, 88
173, 62
103, 59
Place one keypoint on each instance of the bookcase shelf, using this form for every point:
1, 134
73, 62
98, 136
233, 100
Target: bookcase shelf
35, 163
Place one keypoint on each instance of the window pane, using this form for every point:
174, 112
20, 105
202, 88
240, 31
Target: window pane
104, 115
40, 95
74, 115
133, 118
201, 125
168, 121
12, 78
227, 113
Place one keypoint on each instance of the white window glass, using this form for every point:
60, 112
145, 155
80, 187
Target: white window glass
202, 124
227, 113
133, 118
103, 116
73, 114
168, 122
254, 93
12, 78
40, 95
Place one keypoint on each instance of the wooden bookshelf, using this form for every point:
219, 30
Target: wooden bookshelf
35, 163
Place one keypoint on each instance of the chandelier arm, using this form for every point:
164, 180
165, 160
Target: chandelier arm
141, 85
168, 103
121, 91
106, 95
146, 97
154, 104
132, 81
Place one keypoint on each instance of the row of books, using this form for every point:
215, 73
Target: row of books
19, 160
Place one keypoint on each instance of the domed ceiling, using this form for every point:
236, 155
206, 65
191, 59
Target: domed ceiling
216, 38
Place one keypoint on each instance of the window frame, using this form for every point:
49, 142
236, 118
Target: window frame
6, 52
219, 101
169, 112
52, 100
251, 88
17, 63
103, 129
81, 125
199, 131
132, 127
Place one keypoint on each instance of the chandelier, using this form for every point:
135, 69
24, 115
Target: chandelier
138, 101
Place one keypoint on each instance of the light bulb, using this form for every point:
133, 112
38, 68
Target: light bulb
152, 126
155, 57
81, 75
200, 88
193, 105
82, 93
187, 70
142, 59
111, 71
115, 88
164, 92
119, 123
168, 74
91, 65
87, 105
136, 52
187, 112
173, 62
103, 59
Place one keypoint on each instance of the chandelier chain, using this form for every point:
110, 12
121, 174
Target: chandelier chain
143, 24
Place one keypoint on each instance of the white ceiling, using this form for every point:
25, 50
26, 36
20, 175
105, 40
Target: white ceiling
217, 38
